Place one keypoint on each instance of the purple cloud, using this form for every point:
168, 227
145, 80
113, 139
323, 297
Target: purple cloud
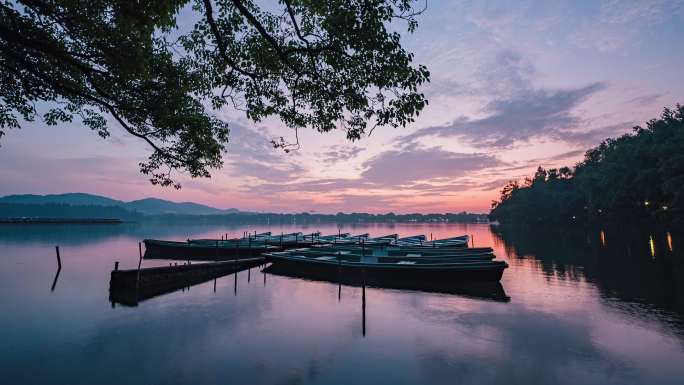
528, 114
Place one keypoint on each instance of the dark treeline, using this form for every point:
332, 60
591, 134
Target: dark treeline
638, 175
302, 218
13, 210
58, 210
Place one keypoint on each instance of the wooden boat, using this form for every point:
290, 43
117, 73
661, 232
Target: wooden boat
460, 241
330, 238
376, 268
385, 257
213, 240
478, 290
406, 250
129, 287
219, 251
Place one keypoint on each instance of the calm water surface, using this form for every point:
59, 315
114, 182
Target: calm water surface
584, 308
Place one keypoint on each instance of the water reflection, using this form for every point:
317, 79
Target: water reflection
628, 270
582, 312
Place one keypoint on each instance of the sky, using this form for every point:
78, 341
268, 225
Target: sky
514, 85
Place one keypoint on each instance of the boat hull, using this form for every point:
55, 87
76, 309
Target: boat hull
188, 251
378, 273
487, 290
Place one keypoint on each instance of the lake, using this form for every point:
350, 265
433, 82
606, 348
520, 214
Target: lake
584, 307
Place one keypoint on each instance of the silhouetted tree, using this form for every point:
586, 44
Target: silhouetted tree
320, 64
637, 174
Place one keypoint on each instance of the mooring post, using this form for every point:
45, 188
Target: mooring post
139, 262
140, 249
116, 265
59, 259
363, 301
472, 240
281, 240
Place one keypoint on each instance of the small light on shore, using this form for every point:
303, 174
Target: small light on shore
646, 203
664, 207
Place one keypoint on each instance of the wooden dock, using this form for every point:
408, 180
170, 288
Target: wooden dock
129, 287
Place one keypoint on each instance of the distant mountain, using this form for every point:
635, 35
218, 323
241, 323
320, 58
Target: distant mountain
155, 206
148, 206
74, 199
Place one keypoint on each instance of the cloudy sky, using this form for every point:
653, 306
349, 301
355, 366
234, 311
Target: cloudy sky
515, 84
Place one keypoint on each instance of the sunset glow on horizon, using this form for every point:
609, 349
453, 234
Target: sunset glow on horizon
514, 86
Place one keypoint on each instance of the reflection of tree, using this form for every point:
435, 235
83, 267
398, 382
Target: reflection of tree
623, 269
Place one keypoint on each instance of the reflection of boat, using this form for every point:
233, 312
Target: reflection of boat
128, 287
218, 250
377, 268
480, 290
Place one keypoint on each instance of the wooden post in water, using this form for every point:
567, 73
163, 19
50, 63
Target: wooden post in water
59, 259
140, 249
116, 265
363, 301
472, 240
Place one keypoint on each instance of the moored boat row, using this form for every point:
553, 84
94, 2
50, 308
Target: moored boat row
448, 259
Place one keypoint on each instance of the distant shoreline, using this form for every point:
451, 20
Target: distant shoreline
60, 220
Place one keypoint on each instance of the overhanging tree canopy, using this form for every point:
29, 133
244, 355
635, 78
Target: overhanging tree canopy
324, 64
